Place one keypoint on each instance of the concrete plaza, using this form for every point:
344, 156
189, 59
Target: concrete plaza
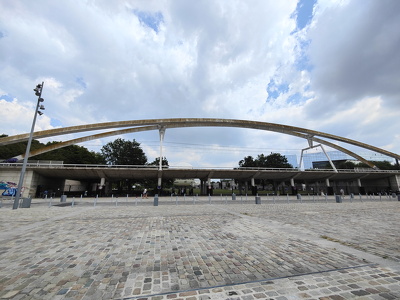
187, 248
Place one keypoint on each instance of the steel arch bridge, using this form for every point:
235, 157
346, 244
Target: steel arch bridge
162, 124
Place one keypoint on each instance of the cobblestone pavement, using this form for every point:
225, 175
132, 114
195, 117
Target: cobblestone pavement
237, 251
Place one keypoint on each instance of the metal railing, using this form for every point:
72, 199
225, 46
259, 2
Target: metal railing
58, 164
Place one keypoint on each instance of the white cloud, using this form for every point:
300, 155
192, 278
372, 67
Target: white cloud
101, 63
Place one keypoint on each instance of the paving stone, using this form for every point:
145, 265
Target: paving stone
138, 251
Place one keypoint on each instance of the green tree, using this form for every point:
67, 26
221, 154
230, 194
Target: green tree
69, 155
72, 154
122, 152
247, 162
156, 162
12, 150
274, 160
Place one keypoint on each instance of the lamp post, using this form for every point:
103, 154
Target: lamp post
38, 93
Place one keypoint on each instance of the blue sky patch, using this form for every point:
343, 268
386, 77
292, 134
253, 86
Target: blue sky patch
295, 98
149, 19
55, 123
303, 62
304, 13
8, 98
274, 90
1, 35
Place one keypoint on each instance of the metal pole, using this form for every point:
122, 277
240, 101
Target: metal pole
28, 149
162, 134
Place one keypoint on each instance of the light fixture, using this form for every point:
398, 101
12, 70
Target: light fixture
41, 107
40, 99
40, 113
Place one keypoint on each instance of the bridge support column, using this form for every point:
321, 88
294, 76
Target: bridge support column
209, 187
162, 134
102, 186
329, 189
294, 192
203, 189
360, 187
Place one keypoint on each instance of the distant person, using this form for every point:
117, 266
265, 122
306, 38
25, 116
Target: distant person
145, 193
45, 193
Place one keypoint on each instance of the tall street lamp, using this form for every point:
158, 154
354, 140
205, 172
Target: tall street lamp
38, 92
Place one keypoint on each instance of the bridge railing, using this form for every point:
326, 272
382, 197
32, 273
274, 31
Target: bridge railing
58, 164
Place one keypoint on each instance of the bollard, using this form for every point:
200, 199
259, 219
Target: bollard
209, 199
73, 201
156, 200
398, 197
287, 198
338, 199
258, 200
26, 202
233, 196
63, 198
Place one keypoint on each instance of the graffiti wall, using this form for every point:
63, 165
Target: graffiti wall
8, 188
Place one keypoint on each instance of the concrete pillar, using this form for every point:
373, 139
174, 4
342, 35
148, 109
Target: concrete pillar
203, 187
327, 182
159, 182
162, 134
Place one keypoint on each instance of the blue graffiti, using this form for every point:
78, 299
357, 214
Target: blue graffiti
10, 192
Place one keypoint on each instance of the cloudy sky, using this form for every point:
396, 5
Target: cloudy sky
326, 65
